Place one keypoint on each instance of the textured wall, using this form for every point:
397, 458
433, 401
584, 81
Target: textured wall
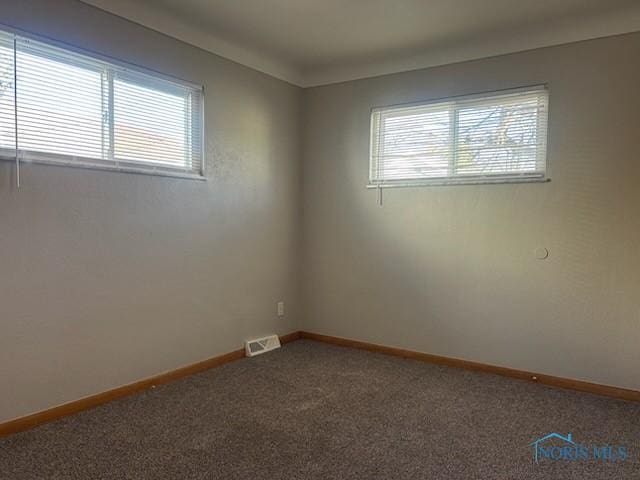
107, 278
451, 270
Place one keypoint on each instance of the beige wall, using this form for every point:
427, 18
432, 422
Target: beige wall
107, 278
451, 270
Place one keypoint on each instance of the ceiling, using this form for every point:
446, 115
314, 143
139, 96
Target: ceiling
312, 42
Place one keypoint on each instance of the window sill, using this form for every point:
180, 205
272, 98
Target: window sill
444, 183
92, 164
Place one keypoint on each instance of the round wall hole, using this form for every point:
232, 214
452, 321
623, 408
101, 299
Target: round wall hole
541, 253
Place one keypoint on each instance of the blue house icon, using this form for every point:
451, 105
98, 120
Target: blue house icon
567, 439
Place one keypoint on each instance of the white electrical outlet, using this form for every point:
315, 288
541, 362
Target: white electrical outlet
281, 309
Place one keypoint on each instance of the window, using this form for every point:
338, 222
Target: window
497, 137
59, 106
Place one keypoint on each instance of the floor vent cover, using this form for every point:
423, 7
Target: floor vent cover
261, 345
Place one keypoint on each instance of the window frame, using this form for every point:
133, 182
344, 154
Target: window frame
115, 67
453, 179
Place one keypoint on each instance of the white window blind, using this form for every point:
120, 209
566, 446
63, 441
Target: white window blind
497, 137
7, 94
74, 109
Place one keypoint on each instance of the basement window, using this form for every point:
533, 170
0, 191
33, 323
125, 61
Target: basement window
60, 106
498, 137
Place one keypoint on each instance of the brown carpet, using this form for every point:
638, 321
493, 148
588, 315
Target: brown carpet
315, 411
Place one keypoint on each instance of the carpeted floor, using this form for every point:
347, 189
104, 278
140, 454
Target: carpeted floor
315, 411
